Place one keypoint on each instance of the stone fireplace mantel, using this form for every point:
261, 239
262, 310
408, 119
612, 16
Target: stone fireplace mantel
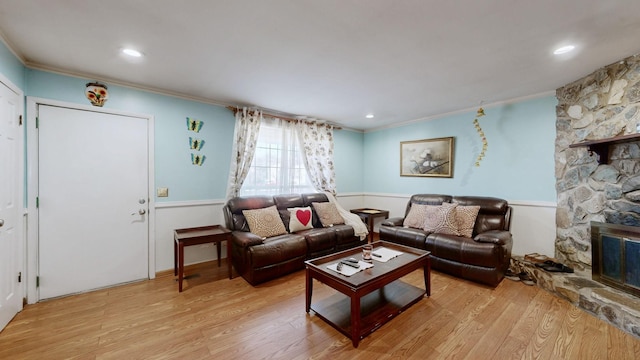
601, 147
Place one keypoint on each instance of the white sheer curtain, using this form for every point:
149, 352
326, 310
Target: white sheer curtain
316, 141
278, 166
244, 147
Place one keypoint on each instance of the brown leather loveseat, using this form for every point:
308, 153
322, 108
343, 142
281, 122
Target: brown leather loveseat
483, 256
260, 259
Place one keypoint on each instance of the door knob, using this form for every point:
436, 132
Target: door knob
1, 222
142, 211
142, 201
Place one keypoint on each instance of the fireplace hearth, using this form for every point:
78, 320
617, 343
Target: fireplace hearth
616, 256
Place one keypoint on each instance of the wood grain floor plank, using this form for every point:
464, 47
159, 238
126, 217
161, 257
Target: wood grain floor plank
496, 331
568, 338
543, 339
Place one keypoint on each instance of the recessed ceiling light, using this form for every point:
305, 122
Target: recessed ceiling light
369, 116
564, 49
132, 52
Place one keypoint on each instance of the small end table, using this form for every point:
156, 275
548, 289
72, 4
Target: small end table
195, 236
369, 215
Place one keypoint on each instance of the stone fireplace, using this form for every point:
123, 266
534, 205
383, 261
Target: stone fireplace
602, 105
599, 184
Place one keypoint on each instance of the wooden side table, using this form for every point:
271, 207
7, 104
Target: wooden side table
195, 236
369, 215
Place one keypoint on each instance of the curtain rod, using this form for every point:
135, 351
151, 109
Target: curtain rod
235, 109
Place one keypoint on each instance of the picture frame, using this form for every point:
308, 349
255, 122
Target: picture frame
427, 157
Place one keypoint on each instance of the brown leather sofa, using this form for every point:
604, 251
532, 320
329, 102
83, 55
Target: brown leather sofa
482, 258
259, 260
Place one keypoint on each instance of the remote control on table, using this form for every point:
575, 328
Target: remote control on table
354, 265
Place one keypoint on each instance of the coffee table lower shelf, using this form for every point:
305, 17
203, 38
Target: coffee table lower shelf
376, 308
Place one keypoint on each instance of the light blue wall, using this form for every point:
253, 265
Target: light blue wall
173, 168
349, 161
11, 67
518, 164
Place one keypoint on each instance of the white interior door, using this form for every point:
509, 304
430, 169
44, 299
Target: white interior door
11, 244
93, 200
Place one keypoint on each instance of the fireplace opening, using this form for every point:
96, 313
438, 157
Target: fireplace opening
615, 253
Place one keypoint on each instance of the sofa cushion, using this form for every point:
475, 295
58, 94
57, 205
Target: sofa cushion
466, 218
234, 217
277, 249
441, 219
404, 236
494, 214
265, 222
328, 213
300, 219
426, 199
465, 251
309, 199
319, 240
416, 217
344, 234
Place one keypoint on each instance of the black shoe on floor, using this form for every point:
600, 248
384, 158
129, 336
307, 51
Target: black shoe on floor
526, 278
511, 275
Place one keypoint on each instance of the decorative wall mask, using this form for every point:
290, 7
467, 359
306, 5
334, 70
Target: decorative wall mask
96, 93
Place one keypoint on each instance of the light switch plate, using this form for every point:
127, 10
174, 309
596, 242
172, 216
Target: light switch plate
163, 192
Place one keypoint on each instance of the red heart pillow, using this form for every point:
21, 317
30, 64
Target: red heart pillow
304, 216
300, 219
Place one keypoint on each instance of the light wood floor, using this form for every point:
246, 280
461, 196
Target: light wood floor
218, 318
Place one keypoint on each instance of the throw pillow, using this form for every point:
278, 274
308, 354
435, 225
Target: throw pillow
300, 219
416, 216
441, 219
328, 213
466, 217
265, 222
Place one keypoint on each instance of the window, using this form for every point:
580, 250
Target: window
277, 166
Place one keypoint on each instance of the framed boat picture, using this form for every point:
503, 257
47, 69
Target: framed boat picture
427, 158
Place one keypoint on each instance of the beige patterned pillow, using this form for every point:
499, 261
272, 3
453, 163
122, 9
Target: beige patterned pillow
327, 213
441, 219
265, 222
466, 217
416, 216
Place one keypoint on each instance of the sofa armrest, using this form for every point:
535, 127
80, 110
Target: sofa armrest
245, 239
395, 221
498, 237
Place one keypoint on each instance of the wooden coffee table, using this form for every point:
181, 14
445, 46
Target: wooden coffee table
367, 299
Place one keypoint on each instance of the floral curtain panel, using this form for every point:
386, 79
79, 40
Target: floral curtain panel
316, 141
244, 147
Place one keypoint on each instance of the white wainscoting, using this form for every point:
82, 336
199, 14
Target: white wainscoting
184, 214
532, 224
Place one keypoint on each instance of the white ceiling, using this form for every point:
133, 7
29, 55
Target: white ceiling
334, 60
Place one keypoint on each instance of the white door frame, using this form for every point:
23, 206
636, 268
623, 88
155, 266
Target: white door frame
22, 225
32, 187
